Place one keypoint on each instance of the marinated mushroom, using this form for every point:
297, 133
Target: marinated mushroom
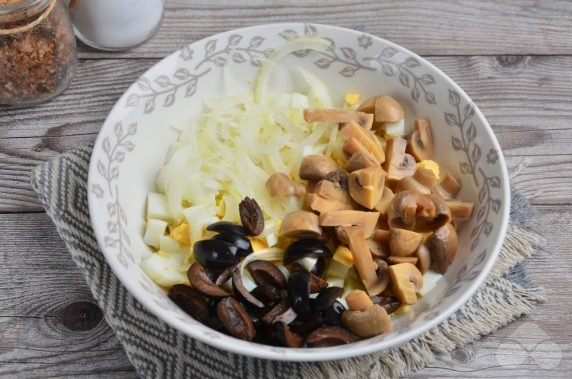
398, 164
329, 336
358, 300
361, 159
279, 184
420, 142
365, 137
339, 116
403, 242
332, 191
442, 245
387, 109
451, 185
368, 323
423, 256
366, 186
339, 177
353, 146
406, 280
300, 224
363, 262
366, 220
316, 167
460, 210
322, 205
393, 260
427, 178
409, 183
383, 203
413, 211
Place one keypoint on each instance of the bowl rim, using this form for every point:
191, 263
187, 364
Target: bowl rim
234, 345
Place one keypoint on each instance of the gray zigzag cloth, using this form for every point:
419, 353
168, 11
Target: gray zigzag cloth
159, 351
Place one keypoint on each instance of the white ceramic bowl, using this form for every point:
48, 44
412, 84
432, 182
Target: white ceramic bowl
133, 143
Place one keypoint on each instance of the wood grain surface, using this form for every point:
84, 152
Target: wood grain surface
512, 57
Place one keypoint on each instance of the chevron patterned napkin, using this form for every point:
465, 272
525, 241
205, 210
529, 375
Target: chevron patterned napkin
158, 351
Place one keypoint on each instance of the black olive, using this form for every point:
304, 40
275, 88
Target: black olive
266, 293
327, 297
191, 301
284, 337
319, 267
333, 314
226, 226
299, 292
238, 240
310, 247
215, 254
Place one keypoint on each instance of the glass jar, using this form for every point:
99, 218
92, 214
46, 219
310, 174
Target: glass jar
38, 55
115, 24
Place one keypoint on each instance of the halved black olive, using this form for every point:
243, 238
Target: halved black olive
310, 247
241, 292
327, 297
285, 337
320, 267
235, 319
265, 272
226, 226
267, 293
202, 280
299, 292
238, 240
329, 336
191, 301
333, 315
215, 254
305, 326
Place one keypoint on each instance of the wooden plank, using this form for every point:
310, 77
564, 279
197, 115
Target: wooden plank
528, 127
431, 28
50, 327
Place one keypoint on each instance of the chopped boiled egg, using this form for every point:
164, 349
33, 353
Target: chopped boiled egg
169, 246
430, 165
165, 269
157, 207
153, 232
395, 129
344, 256
352, 98
181, 233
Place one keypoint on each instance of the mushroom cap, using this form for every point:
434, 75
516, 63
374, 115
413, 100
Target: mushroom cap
366, 185
398, 164
409, 183
443, 247
413, 211
361, 159
423, 258
316, 167
420, 142
368, 323
300, 224
387, 109
279, 184
403, 243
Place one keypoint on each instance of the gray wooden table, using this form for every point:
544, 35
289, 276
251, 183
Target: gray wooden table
514, 58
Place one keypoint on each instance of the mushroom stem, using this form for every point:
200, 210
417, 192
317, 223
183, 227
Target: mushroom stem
365, 220
340, 116
363, 261
352, 129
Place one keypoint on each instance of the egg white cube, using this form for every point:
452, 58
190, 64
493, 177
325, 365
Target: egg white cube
395, 129
170, 246
165, 270
157, 207
154, 230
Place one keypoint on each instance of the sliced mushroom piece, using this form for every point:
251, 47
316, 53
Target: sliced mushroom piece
329, 336
332, 191
363, 262
300, 224
338, 177
368, 323
398, 163
279, 184
352, 129
423, 256
366, 220
411, 210
391, 304
340, 116
383, 203
360, 160
366, 186
265, 272
381, 236
442, 245
316, 167
428, 179
393, 260
420, 142
377, 249
353, 146
403, 242
202, 280
321, 204
368, 106
386, 108
460, 210
406, 280
409, 183
451, 185
358, 300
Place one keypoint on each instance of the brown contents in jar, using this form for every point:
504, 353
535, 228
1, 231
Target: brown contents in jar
35, 63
